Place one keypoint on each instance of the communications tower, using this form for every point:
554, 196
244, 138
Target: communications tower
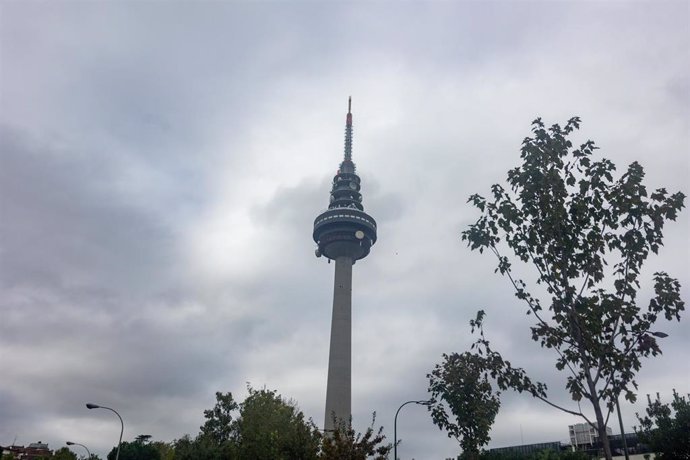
343, 233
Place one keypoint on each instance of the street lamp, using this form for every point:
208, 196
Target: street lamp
96, 406
661, 335
395, 424
70, 443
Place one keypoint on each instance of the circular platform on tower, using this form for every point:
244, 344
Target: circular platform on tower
344, 232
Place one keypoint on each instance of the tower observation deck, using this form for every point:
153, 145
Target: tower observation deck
343, 233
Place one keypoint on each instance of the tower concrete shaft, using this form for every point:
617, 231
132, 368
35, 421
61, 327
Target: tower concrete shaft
339, 387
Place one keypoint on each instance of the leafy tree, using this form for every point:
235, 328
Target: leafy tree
667, 429
143, 438
344, 443
587, 235
184, 449
165, 449
202, 448
461, 385
272, 428
218, 436
218, 426
135, 450
263, 426
64, 453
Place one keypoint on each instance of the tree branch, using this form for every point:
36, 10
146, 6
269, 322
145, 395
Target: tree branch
579, 414
529, 303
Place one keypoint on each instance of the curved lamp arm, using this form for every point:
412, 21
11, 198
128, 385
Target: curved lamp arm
395, 424
70, 443
122, 424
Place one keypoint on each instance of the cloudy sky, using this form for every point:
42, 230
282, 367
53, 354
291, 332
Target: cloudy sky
161, 165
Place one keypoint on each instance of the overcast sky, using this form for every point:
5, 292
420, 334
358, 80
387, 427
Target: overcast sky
161, 165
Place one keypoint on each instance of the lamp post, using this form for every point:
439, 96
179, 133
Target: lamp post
620, 422
395, 424
96, 406
661, 335
70, 443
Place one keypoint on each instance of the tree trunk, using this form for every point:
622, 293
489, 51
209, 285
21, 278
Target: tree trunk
471, 455
596, 403
601, 429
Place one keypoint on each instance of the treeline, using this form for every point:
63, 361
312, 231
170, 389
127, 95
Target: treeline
265, 426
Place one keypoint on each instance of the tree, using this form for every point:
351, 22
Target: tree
667, 429
201, 448
136, 450
344, 443
461, 384
185, 450
272, 428
218, 426
143, 438
587, 235
166, 450
263, 426
218, 436
63, 453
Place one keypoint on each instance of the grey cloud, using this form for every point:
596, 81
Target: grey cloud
89, 295
84, 231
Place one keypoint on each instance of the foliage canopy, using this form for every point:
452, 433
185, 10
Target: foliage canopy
344, 443
265, 426
137, 450
666, 428
64, 453
460, 384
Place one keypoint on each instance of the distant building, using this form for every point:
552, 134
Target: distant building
584, 434
34, 451
529, 448
594, 449
631, 440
